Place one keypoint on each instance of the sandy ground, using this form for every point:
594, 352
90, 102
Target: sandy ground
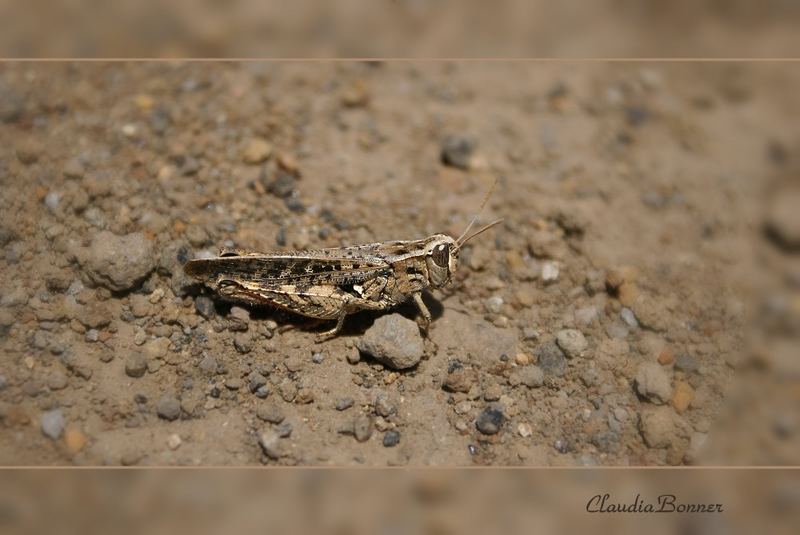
630, 195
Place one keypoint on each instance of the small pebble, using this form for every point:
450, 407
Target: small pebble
494, 304
531, 376
256, 151
653, 383
586, 316
572, 342
493, 392
53, 423
284, 429
270, 413
391, 438
204, 306
344, 404
269, 440
136, 365
682, 396
657, 426
294, 363
463, 407
394, 341
383, 406
666, 356
74, 439
243, 342
457, 151
551, 359
524, 429
209, 365
256, 381
234, 383
490, 420
617, 329
52, 200
522, 359
686, 363
174, 441
550, 271
459, 379
118, 262
629, 318
168, 408
561, 446
362, 427
57, 380
353, 355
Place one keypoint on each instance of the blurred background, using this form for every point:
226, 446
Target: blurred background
364, 28
438, 501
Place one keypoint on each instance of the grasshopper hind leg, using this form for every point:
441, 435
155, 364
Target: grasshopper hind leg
425, 321
331, 333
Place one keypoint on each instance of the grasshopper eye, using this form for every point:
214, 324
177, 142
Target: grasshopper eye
441, 255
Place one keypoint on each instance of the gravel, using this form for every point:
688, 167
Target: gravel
209, 365
551, 359
256, 151
686, 363
572, 342
383, 406
57, 380
117, 262
653, 383
530, 376
627, 315
344, 404
204, 306
168, 408
362, 427
459, 379
269, 412
243, 342
657, 426
269, 440
394, 341
457, 151
53, 423
391, 438
490, 420
136, 365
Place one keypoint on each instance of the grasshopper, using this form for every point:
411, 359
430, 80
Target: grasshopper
329, 284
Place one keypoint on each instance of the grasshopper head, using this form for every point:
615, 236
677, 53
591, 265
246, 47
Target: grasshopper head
442, 254
441, 258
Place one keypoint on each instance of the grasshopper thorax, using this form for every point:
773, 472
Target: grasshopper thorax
441, 259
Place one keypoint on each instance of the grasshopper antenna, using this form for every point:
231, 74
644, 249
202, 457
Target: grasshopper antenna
480, 231
461, 241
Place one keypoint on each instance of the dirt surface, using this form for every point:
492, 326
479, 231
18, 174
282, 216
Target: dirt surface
630, 193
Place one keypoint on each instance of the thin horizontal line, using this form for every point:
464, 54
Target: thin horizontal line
413, 59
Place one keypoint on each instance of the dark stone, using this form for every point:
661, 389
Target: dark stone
490, 420
344, 404
457, 151
551, 359
204, 306
391, 438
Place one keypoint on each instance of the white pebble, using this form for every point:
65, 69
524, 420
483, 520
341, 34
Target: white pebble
51, 200
550, 271
174, 441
